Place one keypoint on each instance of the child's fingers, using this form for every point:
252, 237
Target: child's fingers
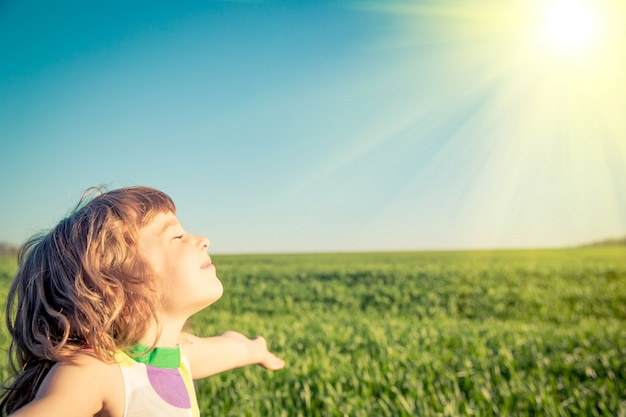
269, 360
273, 362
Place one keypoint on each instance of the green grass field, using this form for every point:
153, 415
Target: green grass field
523, 333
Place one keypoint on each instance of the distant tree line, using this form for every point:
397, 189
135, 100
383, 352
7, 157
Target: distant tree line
609, 242
7, 249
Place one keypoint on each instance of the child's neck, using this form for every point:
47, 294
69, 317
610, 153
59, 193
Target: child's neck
169, 335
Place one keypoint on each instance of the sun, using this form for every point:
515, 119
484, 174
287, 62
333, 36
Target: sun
569, 26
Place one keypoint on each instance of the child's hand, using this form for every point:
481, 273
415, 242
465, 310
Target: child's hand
257, 350
268, 359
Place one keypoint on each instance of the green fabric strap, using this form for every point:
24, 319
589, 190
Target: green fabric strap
160, 357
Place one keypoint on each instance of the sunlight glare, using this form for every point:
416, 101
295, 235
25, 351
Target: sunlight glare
522, 115
569, 25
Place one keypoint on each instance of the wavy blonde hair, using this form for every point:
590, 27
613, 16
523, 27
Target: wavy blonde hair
81, 285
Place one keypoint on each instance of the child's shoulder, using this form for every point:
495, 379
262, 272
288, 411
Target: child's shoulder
85, 381
87, 362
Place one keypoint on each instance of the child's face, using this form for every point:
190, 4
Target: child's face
180, 259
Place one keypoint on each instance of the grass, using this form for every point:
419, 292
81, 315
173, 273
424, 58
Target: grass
482, 333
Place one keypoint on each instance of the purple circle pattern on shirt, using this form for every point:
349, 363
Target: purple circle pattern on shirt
169, 384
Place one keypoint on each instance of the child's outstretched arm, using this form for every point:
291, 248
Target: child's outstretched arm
212, 355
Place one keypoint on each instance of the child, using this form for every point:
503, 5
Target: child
97, 309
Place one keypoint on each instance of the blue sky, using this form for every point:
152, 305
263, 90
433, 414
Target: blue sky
297, 126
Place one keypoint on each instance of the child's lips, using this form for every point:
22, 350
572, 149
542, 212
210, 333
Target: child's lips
206, 264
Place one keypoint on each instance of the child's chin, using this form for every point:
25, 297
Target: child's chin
218, 292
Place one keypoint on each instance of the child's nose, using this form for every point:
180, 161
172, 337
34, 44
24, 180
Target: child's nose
204, 243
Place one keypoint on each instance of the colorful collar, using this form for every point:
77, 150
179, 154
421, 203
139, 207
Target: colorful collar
159, 357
